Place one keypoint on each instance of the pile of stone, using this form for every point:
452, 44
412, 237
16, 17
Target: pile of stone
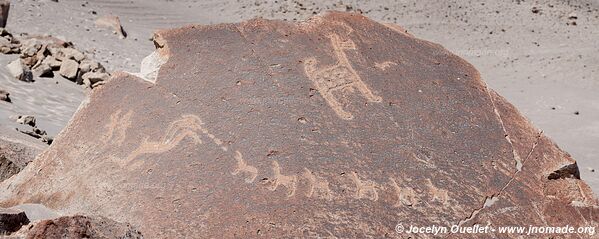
42, 56
35, 131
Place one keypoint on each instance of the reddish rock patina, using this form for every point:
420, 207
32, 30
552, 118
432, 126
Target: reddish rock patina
338, 126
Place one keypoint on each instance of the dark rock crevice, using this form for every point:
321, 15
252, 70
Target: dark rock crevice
567, 171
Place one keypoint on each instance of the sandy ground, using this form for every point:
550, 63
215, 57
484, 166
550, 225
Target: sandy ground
51, 100
540, 62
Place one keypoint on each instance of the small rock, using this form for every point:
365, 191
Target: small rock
11, 220
5, 42
114, 23
5, 96
535, 10
6, 45
70, 53
85, 67
69, 69
3, 31
43, 70
5, 50
47, 139
30, 47
572, 16
52, 62
29, 62
4, 7
19, 71
38, 134
30, 51
94, 66
27, 120
91, 78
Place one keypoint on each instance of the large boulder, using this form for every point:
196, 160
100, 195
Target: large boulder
338, 126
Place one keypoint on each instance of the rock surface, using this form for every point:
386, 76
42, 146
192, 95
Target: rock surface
78, 226
338, 126
11, 220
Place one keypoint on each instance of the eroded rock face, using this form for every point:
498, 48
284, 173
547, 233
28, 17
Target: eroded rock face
337, 126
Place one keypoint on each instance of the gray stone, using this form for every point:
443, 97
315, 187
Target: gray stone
94, 66
112, 22
70, 53
52, 62
91, 78
69, 69
43, 70
4, 96
5, 42
19, 71
26, 119
85, 67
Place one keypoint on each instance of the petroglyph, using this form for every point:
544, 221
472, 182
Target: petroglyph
423, 156
318, 187
289, 182
119, 123
214, 139
405, 196
191, 126
340, 77
439, 195
243, 167
178, 130
384, 65
364, 188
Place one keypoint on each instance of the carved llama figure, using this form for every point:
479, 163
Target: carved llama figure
339, 77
